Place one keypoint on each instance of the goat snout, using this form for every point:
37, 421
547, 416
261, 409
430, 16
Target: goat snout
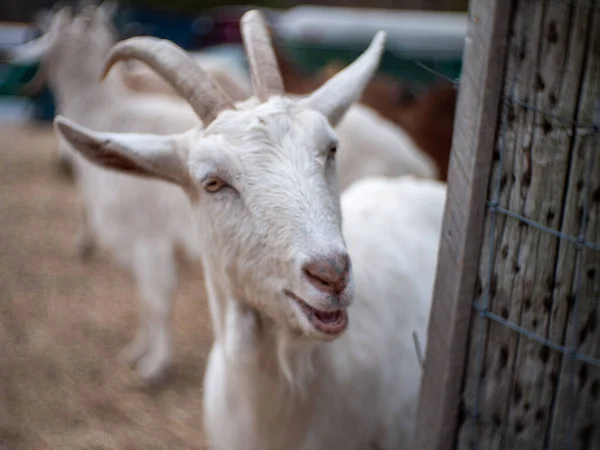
328, 274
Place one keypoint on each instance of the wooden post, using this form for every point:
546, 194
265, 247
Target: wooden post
461, 241
528, 394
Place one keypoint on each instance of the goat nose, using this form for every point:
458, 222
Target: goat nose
329, 274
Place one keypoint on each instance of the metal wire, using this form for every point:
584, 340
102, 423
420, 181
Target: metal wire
577, 240
440, 75
568, 351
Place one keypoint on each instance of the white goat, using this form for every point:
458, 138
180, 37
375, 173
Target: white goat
73, 52
139, 220
135, 76
310, 353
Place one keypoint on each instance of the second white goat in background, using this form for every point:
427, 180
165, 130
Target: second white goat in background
140, 221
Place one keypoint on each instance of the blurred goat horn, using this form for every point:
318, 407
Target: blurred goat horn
264, 70
178, 69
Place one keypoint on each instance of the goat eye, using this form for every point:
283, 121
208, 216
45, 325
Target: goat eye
214, 185
332, 151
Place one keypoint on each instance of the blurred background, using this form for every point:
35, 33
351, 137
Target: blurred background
19, 11
424, 46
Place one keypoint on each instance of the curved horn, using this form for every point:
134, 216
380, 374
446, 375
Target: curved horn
178, 69
264, 70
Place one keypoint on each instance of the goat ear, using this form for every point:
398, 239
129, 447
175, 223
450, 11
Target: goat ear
34, 50
336, 96
146, 155
30, 52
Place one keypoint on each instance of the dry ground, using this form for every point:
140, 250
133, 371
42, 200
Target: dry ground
63, 321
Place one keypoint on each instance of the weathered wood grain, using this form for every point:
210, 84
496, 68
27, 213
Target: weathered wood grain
524, 41
576, 414
511, 174
557, 90
531, 281
470, 163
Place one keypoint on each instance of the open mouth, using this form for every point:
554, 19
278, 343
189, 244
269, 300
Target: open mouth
328, 322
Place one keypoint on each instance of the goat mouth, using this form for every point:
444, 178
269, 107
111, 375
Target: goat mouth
328, 322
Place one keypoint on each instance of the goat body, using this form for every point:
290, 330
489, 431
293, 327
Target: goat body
372, 145
250, 403
141, 221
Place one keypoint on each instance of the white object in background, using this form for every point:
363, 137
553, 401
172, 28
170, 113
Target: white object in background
407, 31
15, 110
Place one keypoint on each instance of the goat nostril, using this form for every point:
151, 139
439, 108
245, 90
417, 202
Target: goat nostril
328, 274
317, 276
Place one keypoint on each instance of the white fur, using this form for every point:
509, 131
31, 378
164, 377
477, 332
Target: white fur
362, 388
273, 380
139, 220
374, 146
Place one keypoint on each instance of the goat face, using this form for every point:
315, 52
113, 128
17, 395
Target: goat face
269, 214
261, 177
264, 193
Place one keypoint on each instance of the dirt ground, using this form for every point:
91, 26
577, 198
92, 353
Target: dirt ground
63, 321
